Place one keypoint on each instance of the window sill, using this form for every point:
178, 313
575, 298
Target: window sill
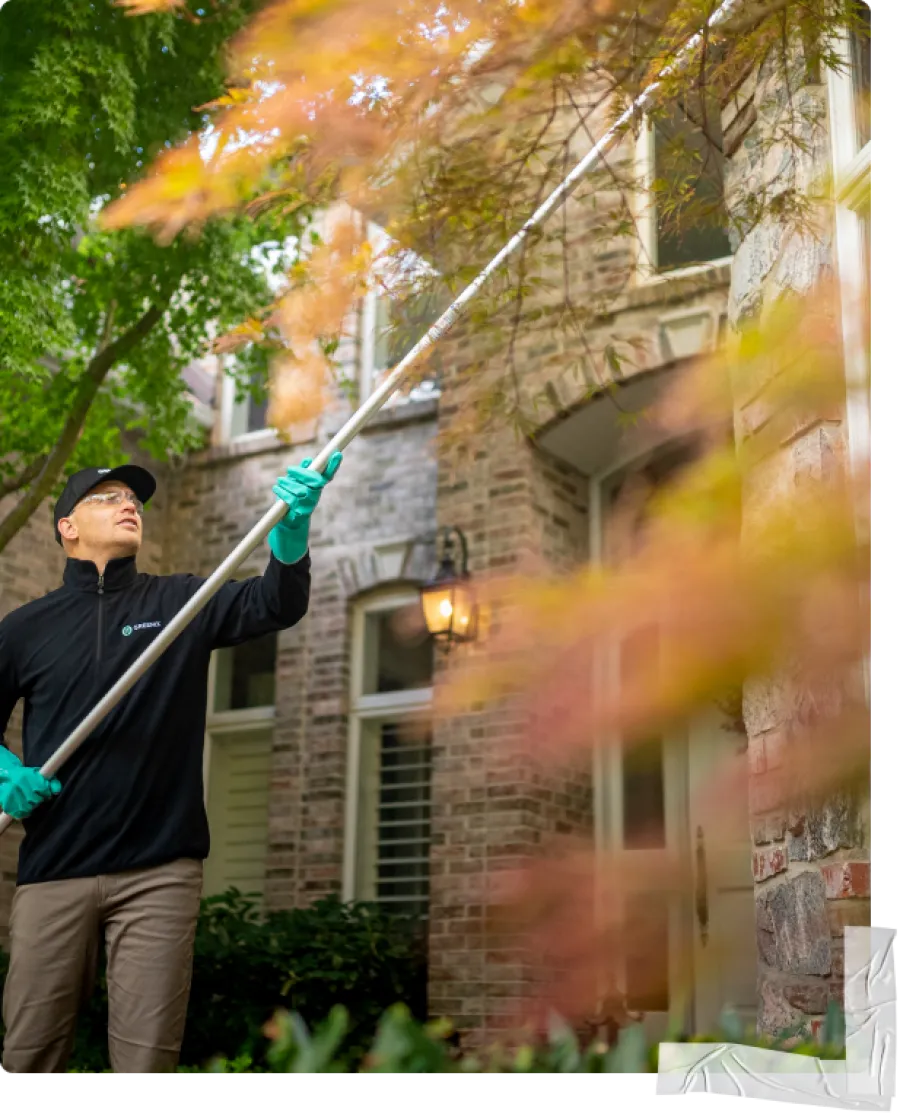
661, 277
253, 444
389, 417
406, 410
673, 286
241, 718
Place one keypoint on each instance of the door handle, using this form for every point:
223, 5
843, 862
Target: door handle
700, 897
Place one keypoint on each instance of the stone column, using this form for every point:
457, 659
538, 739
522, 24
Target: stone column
810, 864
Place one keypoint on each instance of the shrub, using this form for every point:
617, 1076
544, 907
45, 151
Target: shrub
248, 964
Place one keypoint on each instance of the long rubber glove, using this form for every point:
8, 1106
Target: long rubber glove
300, 489
22, 788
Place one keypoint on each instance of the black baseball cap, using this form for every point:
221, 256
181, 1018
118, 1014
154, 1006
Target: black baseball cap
80, 483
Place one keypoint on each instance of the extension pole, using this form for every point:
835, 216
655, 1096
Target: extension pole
346, 434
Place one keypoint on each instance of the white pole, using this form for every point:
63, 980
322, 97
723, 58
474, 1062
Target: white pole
346, 434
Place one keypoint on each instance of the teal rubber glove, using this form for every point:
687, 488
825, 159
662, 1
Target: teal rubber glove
22, 788
300, 489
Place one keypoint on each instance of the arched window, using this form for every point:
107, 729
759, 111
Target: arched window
388, 820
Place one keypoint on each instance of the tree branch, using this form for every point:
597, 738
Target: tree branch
48, 468
28, 473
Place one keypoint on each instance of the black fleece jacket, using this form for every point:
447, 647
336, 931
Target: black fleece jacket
132, 794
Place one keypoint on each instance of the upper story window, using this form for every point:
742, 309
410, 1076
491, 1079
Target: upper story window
242, 405
248, 408
397, 325
680, 168
861, 74
381, 329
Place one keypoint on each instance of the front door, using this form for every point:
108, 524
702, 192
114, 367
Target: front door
724, 915
657, 800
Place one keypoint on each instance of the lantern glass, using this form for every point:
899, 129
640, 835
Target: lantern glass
437, 604
449, 609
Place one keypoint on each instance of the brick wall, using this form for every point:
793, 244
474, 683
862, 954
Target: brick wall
496, 806
384, 493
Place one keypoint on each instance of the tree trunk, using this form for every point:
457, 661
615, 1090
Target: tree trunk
43, 473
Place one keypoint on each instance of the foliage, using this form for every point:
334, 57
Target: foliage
98, 326
717, 573
454, 126
248, 964
403, 1044
453, 131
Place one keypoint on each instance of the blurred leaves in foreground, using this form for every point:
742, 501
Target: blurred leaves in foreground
745, 566
405, 1045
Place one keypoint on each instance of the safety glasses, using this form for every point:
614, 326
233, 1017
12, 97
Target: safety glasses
113, 499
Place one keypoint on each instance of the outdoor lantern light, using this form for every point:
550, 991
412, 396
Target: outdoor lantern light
448, 601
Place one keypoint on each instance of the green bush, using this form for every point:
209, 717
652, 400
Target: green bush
249, 964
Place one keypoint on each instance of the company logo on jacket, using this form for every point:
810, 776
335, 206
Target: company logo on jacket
140, 626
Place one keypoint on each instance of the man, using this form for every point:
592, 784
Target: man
114, 845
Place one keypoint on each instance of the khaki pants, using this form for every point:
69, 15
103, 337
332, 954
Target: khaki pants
149, 918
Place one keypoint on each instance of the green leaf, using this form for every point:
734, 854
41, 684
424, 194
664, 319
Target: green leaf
630, 1054
731, 1026
834, 1031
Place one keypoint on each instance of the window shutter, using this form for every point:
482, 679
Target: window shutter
238, 810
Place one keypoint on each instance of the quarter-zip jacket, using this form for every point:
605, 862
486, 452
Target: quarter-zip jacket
132, 794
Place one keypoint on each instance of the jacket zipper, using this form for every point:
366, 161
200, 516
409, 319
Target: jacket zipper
100, 618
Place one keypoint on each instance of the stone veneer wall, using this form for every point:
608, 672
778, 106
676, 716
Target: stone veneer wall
810, 865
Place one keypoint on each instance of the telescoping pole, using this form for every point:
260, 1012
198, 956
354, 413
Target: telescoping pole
347, 432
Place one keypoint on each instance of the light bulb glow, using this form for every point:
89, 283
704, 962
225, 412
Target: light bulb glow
446, 608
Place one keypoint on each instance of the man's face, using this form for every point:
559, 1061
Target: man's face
104, 526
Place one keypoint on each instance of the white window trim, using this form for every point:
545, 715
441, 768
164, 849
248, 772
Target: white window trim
227, 407
646, 273
202, 411
368, 707
367, 370
851, 173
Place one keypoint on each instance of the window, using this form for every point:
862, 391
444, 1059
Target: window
245, 675
684, 149
248, 414
860, 49
393, 327
238, 764
388, 829
395, 315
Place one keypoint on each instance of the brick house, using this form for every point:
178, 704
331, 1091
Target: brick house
309, 791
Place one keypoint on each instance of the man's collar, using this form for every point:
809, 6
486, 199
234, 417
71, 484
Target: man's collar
84, 576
